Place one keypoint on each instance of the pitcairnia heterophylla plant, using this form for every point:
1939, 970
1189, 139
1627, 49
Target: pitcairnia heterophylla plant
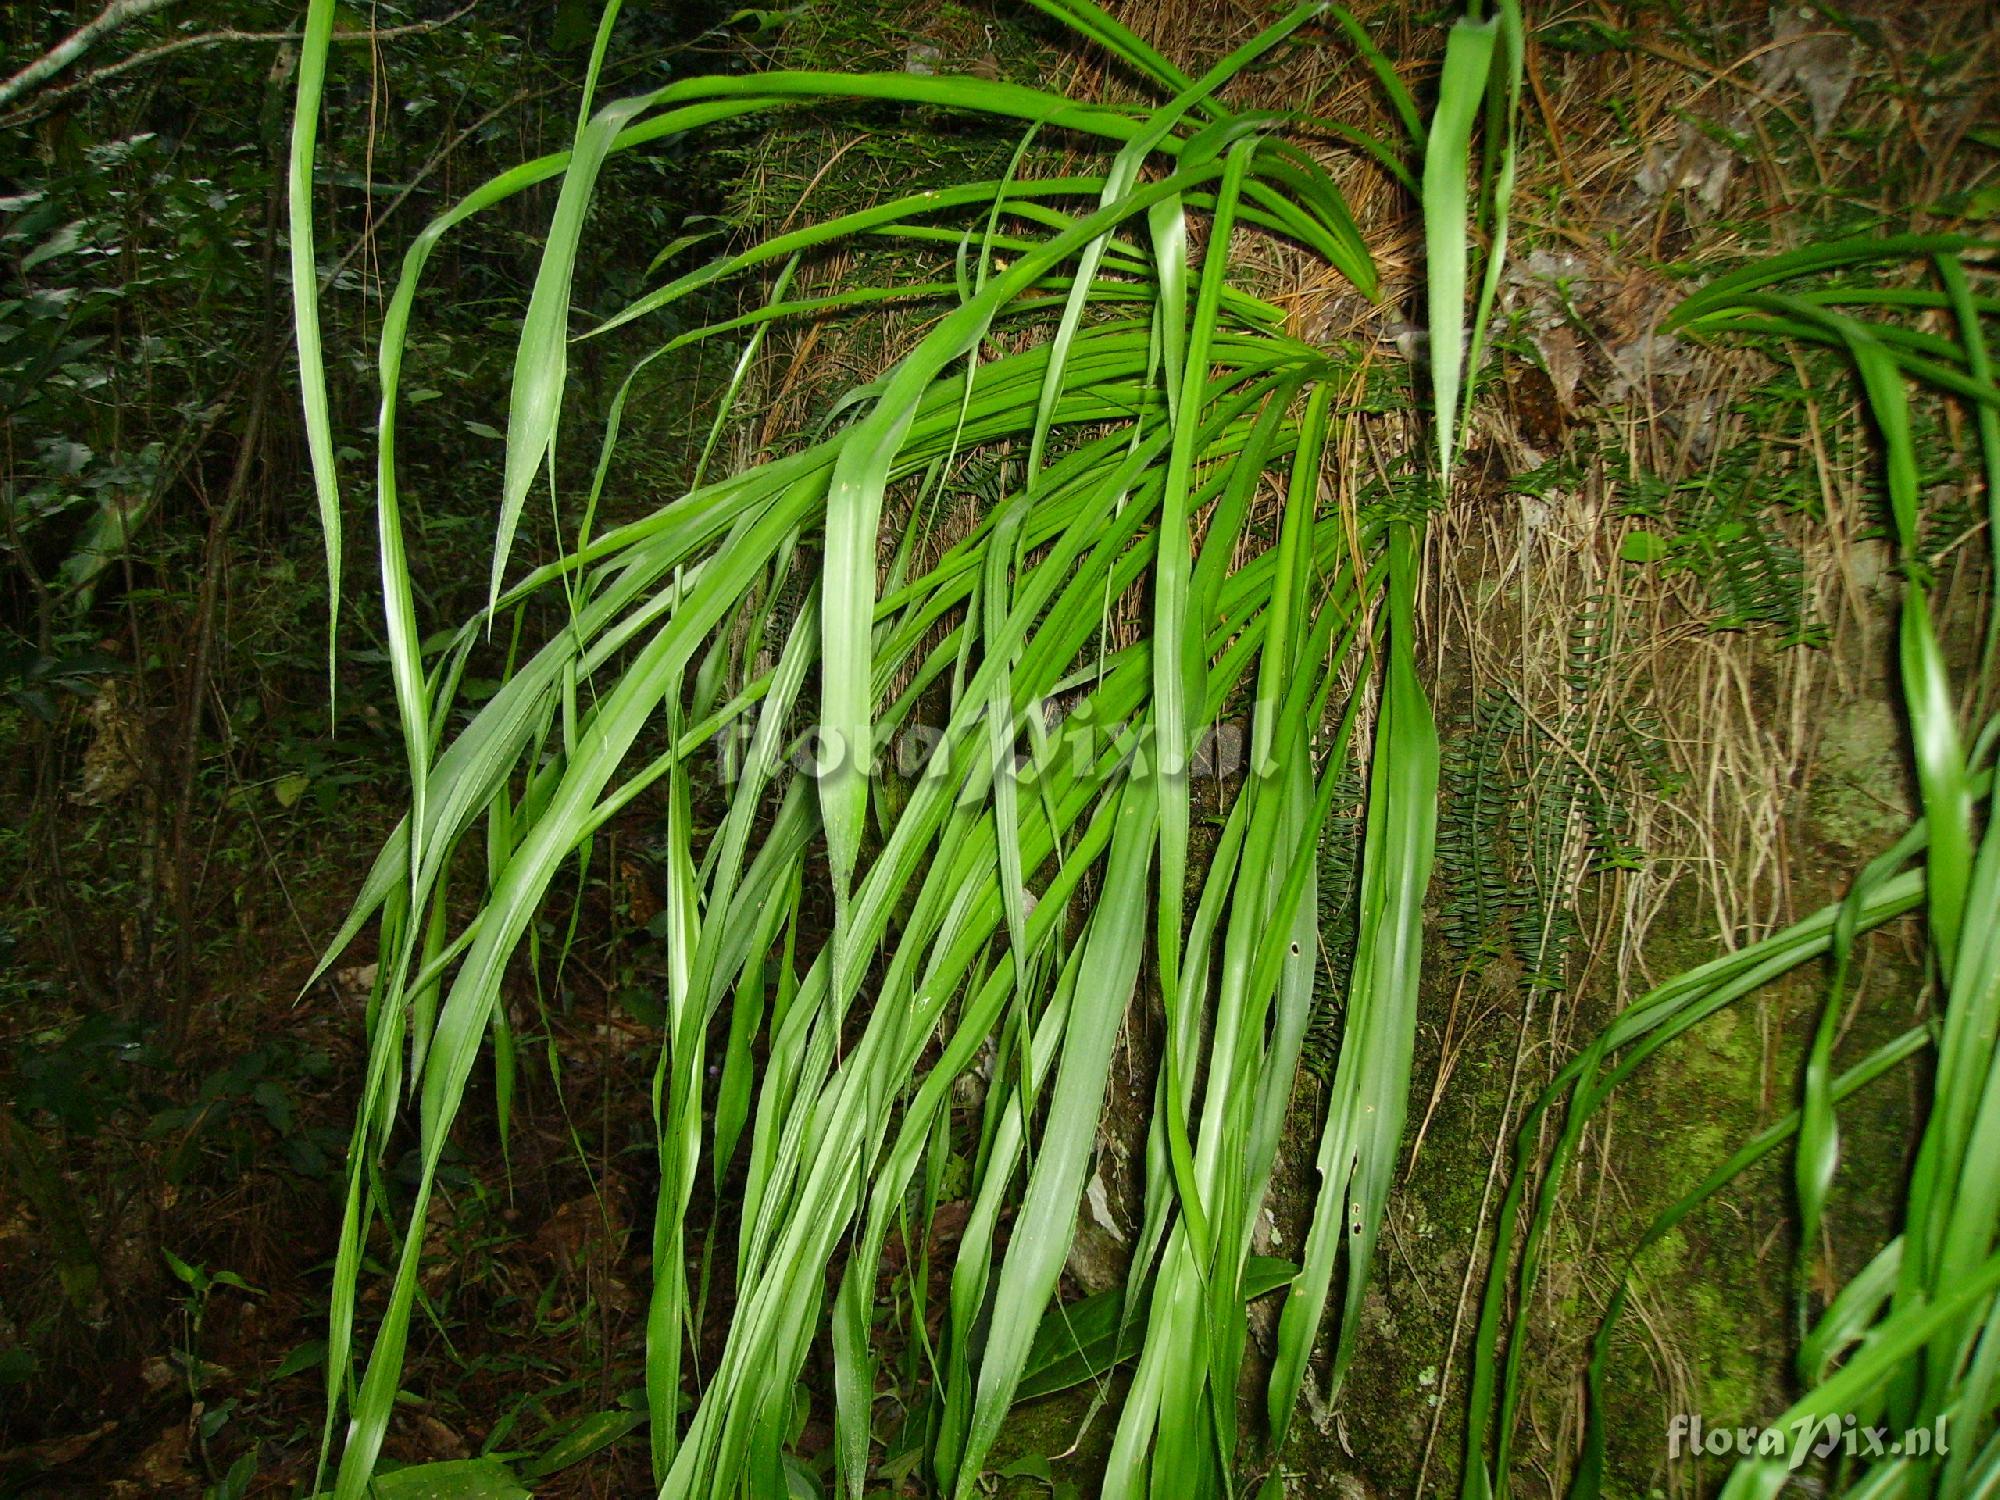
1005, 901
1911, 1341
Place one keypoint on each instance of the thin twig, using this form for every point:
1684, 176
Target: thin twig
59, 57
437, 160
42, 106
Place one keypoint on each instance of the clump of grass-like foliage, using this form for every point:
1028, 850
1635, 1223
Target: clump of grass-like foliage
1007, 902
1013, 893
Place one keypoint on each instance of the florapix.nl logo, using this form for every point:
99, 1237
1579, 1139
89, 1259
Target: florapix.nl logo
1804, 1439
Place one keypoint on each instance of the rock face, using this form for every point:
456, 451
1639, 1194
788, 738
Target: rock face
1860, 794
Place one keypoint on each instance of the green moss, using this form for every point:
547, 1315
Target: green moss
1050, 1437
1860, 792
1715, 1294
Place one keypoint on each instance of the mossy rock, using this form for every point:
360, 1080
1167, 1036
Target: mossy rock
1860, 793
